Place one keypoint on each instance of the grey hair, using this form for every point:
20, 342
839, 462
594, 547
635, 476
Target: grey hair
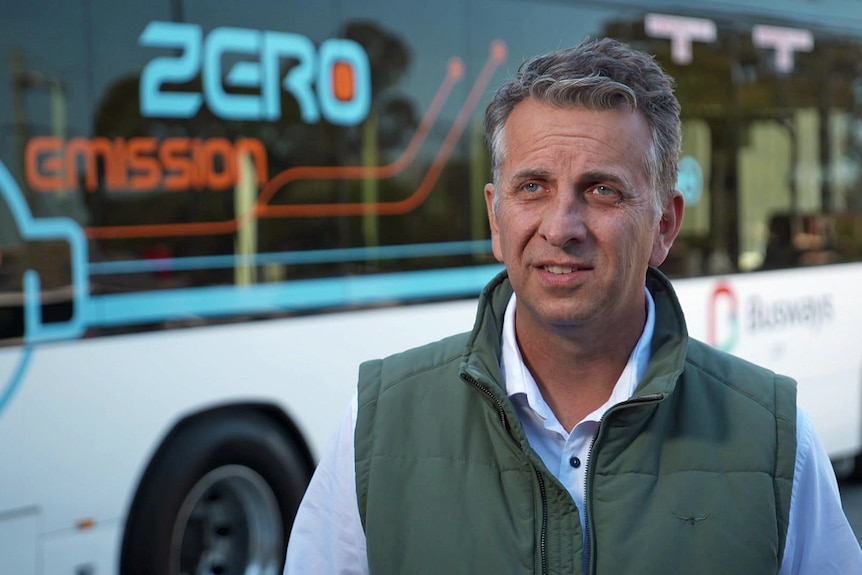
597, 75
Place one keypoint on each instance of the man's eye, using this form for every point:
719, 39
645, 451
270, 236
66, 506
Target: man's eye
532, 187
604, 193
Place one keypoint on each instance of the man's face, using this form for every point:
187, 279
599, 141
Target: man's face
575, 224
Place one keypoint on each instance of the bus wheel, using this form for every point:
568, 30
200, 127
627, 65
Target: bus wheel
218, 497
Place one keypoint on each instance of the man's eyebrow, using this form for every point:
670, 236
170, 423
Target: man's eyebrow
601, 176
530, 174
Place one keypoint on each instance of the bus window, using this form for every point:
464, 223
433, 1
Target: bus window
778, 145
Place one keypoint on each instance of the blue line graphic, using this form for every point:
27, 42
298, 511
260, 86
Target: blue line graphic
17, 376
47, 229
218, 301
293, 258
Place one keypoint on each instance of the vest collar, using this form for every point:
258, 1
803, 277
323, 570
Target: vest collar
669, 343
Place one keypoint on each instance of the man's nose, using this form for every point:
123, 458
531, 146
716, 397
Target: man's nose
564, 220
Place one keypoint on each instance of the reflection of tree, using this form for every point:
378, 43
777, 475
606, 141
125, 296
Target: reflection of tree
389, 58
391, 122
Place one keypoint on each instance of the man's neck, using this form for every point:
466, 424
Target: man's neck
577, 371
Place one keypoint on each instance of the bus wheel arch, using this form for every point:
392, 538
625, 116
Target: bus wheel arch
206, 498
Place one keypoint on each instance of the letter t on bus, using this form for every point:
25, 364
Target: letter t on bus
681, 31
786, 41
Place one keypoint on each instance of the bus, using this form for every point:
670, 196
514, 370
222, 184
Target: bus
212, 212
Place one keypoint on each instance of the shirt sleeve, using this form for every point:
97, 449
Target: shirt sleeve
819, 538
327, 535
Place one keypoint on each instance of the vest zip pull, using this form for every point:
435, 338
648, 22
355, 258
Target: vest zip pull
588, 499
543, 493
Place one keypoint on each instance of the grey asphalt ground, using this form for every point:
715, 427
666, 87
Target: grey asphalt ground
851, 498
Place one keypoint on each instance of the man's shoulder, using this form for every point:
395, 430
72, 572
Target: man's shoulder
709, 358
410, 364
735, 373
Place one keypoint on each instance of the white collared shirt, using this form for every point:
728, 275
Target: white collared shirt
327, 536
565, 454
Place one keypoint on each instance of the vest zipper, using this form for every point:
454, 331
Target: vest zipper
588, 498
542, 491
542, 542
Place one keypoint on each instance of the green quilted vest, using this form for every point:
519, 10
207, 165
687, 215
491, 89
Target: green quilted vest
692, 475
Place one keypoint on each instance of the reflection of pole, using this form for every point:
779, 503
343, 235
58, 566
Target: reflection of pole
245, 195
22, 129
58, 109
724, 203
177, 12
795, 162
827, 180
789, 124
370, 186
23, 80
478, 178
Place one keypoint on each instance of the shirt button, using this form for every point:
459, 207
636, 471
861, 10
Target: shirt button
574, 462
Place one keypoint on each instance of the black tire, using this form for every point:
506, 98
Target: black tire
219, 496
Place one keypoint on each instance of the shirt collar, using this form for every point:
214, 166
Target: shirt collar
521, 385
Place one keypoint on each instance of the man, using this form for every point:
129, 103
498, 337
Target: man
577, 429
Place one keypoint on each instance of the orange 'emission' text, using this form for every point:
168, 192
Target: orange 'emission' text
140, 164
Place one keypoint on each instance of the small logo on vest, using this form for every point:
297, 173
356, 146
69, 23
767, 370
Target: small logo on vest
691, 519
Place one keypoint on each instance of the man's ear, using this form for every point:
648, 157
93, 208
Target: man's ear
492, 220
668, 228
